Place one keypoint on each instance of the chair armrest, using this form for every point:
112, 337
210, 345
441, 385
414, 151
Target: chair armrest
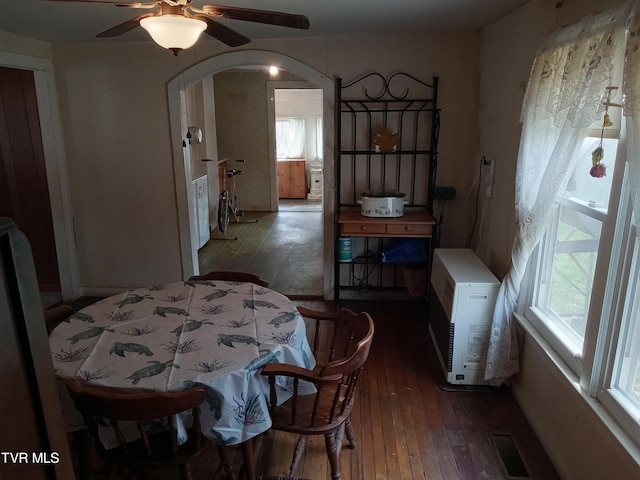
306, 312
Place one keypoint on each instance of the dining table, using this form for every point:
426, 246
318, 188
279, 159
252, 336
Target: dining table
170, 337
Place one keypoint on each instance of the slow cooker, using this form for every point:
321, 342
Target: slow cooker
382, 203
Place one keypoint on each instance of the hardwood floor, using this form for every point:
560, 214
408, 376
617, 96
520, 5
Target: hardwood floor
407, 424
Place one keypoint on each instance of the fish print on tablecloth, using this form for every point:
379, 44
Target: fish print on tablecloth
214, 398
190, 325
254, 304
83, 317
282, 318
120, 348
230, 339
164, 311
219, 293
266, 356
131, 299
92, 332
152, 370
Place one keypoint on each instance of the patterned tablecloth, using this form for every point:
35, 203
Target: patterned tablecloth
171, 337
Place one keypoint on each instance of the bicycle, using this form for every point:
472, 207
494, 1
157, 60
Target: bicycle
228, 203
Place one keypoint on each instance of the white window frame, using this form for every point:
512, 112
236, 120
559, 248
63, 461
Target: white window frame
595, 365
562, 339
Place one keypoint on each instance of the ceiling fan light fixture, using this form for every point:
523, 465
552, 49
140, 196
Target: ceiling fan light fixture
174, 32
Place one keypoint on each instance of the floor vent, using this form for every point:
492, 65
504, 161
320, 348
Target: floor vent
510, 456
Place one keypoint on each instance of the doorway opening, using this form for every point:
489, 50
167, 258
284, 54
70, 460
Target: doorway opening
178, 100
61, 281
298, 136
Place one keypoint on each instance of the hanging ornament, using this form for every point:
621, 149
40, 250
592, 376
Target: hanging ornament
599, 169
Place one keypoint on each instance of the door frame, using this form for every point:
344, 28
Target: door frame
55, 164
176, 92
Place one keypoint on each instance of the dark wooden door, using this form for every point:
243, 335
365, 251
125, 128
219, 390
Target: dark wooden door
24, 193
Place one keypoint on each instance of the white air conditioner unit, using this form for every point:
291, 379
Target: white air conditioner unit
463, 296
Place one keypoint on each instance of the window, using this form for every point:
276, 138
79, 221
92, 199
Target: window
567, 255
582, 281
585, 295
290, 138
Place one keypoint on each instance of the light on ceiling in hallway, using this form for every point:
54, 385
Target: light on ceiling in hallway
273, 70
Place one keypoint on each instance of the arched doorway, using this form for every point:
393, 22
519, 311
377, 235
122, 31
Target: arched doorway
176, 90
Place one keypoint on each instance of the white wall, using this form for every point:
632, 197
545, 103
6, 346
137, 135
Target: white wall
575, 436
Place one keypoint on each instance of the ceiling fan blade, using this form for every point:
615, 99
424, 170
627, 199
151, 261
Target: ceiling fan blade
124, 27
114, 2
259, 16
137, 5
85, 1
222, 33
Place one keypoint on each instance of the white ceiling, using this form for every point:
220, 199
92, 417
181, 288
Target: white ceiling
72, 21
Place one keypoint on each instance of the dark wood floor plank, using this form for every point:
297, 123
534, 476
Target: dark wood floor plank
363, 426
379, 417
397, 363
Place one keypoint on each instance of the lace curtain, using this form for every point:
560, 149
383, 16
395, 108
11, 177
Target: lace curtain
564, 97
290, 138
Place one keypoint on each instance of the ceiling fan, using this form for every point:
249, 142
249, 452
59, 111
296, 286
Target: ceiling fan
177, 24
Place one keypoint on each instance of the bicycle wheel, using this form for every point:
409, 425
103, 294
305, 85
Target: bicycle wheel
223, 213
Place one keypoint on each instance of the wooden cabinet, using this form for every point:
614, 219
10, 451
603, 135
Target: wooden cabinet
292, 179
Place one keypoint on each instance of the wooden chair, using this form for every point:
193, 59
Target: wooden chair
232, 277
54, 315
341, 351
151, 450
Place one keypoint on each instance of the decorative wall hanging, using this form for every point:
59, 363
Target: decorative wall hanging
385, 141
599, 169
